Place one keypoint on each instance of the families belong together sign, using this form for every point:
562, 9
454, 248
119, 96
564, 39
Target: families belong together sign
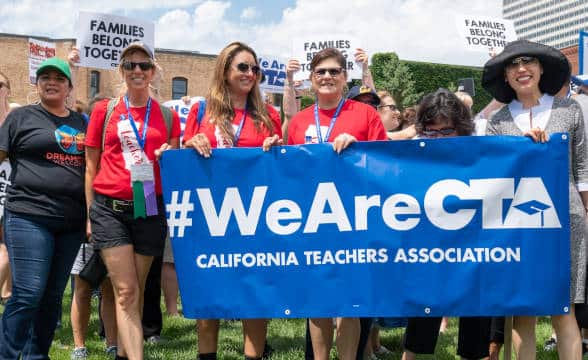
102, 37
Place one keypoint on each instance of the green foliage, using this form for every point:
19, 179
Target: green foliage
408, 81
286, 336
428, 77
306, 101
394, 76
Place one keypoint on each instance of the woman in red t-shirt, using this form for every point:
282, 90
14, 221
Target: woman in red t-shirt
341, 122
123, 189
236, 116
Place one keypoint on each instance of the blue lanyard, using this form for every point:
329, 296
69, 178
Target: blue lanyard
238, 132
140, 140
333, 120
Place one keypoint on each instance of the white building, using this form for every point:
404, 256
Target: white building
552, 22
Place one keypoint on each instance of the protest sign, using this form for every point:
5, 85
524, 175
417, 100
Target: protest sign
5, 170
39, 51
183, 110
582, 57
102, 37
482, 33
402, 228
304, 49
274, 71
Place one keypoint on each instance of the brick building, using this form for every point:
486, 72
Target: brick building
184, 72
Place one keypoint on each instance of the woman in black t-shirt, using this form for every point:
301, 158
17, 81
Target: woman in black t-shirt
44, 220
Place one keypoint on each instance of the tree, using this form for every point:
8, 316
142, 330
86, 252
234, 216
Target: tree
394, 76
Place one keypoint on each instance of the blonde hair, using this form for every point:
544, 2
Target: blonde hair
219, 106
383, 93
6, 104
465, 98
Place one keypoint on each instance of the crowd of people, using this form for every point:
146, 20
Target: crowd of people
87, 190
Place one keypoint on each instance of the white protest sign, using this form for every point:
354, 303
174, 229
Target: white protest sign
304, 49
274, 71
481, 33
182, 109
39, 51
5, 170
582, 56
102, 37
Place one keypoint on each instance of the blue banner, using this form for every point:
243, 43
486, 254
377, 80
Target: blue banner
457, 226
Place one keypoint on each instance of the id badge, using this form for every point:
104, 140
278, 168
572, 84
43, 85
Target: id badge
142, 172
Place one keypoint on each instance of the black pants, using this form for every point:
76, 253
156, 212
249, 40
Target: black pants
152, 318
474, 336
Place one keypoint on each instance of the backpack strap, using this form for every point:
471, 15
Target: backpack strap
201, 111
166, 112
167, 119
109, 110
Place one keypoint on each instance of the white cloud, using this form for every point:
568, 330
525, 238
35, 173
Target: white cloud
415, 29
57, 18
420, 30
249, 13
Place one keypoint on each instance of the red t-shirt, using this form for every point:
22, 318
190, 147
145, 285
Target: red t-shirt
250, 136
357, 119
120, 146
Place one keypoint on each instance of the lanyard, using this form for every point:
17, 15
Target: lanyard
238, 132
140, 139
333, 120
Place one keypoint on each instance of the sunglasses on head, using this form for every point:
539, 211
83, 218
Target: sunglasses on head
331, 71
521, 60
440, 132
391, 106
244, 68
144, 65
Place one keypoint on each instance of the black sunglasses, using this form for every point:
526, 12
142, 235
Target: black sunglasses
391, 106
331, 71
440, 132
144, 66
521, 60
244, 68
3, 84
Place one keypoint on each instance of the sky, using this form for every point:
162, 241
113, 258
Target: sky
421, 30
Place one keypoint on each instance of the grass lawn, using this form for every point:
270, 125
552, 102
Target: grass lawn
285, 336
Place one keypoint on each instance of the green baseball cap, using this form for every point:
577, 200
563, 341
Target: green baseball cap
55, 63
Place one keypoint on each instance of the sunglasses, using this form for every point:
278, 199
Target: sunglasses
144, 66
521, 60
3, 84
391, 106
244, 68
331, 71
440, 132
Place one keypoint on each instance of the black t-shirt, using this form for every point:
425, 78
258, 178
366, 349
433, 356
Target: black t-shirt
46, 153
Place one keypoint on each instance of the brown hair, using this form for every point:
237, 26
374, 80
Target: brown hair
409, 116
445, 105
219, 106
5, 79
329, 53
